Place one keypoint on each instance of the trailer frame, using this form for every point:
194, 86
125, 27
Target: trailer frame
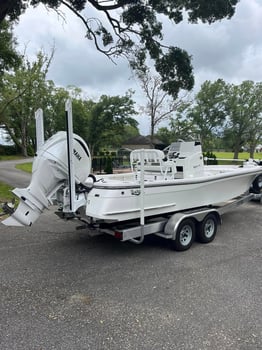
176, 226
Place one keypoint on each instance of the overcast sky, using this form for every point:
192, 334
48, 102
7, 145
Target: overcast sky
229, 49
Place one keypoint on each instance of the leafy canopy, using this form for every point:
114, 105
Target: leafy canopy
9, 58
109, 118
133, 28
23, 91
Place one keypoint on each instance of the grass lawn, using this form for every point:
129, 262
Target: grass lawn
5, 195
242, 155
25, 167
11, 157
5, 190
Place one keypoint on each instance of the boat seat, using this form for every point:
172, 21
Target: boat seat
153, 162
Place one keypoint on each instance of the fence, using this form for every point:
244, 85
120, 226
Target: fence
107, 164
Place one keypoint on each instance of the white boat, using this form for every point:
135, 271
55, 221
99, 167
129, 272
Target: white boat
157, 184
178, 183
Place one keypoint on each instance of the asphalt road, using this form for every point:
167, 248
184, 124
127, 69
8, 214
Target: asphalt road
12, 176
62, 288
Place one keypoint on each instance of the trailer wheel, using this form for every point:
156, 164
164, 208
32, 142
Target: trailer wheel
257, 184
207, 229
185, 235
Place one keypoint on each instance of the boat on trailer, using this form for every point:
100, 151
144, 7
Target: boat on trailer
159, 185
171, 183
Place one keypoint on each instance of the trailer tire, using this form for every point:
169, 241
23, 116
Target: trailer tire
207, 229
257, 184
185, 235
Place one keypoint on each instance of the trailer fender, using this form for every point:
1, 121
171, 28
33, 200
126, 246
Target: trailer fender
185, 234
198, 216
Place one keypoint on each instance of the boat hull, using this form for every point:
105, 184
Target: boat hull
114, 200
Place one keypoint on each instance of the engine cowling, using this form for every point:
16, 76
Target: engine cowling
49, 172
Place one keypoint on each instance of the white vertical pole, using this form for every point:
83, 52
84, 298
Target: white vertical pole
70, 159
39, 125
142, 188
142, 199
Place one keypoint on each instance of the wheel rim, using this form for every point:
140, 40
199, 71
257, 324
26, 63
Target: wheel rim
209, 228
186, 235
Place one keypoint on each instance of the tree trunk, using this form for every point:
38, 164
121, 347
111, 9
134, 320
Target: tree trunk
152, 132
236, 151
252, 151
13, 137
24, 147
24, 140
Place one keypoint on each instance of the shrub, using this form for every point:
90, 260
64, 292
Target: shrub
210, 155
8, 150
108, 166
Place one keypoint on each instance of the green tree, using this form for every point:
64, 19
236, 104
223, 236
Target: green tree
12, 9
129, 131
24, 91
244, 115
54, 111
9, 58
108, 120
133, 27
208, 112
222, 116
159, 105
180, 127
255, 126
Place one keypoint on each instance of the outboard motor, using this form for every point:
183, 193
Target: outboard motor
49, 173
